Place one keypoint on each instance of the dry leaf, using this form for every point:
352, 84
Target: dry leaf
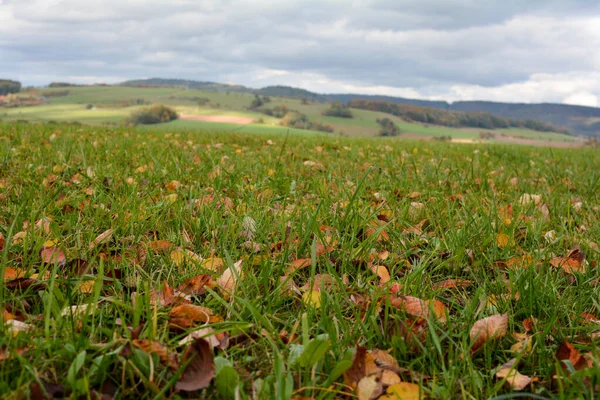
53, 255
181, 256
502, 240
299, 264
363, 364
452, 284
382, 272
567, 351
201, 368
573, 262
102, 238
188, 315
312, 298
490, 328
403, 391
229, 279
170, 358
515, 379
160, 246
369, 388
213, 264
196, 285
11, 274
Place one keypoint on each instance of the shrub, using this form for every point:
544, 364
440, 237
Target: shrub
256, 102
388, 127
153, 115
338, 109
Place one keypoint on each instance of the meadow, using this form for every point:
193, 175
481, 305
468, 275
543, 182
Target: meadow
108, 109
148, 264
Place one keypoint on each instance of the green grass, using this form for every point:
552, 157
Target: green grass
364, 123
269, 199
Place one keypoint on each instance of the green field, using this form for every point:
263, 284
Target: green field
106, 110
150, 263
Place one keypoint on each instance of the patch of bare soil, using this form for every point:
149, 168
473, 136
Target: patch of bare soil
217, 118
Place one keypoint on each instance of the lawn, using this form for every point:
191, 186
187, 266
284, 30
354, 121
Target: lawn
146, 264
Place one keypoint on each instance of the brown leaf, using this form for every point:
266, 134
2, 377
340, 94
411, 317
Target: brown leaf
490, 328
188, 315
384, 360
299, 264
101, 238
573, 262
363, 364
529, 323
439, 309
170, 358
196, 285
2, 241
201, 368
160, 246
567, 351
382, 272
515, 379
452, 284
412, 305
53, 255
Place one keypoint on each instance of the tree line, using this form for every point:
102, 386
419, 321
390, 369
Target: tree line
453, 119
7, 86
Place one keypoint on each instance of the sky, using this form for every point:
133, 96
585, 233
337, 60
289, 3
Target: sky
506, 50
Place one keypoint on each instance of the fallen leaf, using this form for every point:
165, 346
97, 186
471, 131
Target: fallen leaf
160, 246
53, 255
573, 262
188, 315
502, 240
567, 351
173, 186
299, 264
452, 284
312, 298
412, 305
213, 264
369, 388
11, 274
439, 309
207, 334
201, 368
182, 256
490, 328
514, 378
363, 364
170, 358
196, 285
102, 238
382, 272
403, 391
2, 241
229, 279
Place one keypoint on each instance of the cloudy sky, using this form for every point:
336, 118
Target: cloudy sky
505, 50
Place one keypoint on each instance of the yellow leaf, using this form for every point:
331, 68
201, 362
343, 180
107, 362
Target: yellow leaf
403, 391
312, 298
502, 240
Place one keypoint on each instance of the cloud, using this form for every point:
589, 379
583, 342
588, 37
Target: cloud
539, 50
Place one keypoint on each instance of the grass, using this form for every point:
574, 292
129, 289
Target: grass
345, 205
364, 123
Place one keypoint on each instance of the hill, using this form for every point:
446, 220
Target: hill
579, 120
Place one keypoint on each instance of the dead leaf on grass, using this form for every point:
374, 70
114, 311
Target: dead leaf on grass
170, 358
573, 262
514, 378
201, 368
486, 329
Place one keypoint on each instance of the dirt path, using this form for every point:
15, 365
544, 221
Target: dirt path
217, 118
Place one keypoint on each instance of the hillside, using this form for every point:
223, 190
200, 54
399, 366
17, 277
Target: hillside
579, 120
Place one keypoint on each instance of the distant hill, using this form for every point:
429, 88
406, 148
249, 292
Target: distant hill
288, 91
189, 84
579, 120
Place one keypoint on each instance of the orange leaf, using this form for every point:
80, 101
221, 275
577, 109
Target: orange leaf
502, 240
363, 364
12, 274
382, 272
187, 315
573, 262
299, 264
195, 285
452, 284
160, 246
490, 328
566, 351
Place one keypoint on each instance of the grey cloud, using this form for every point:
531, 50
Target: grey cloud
406, 44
